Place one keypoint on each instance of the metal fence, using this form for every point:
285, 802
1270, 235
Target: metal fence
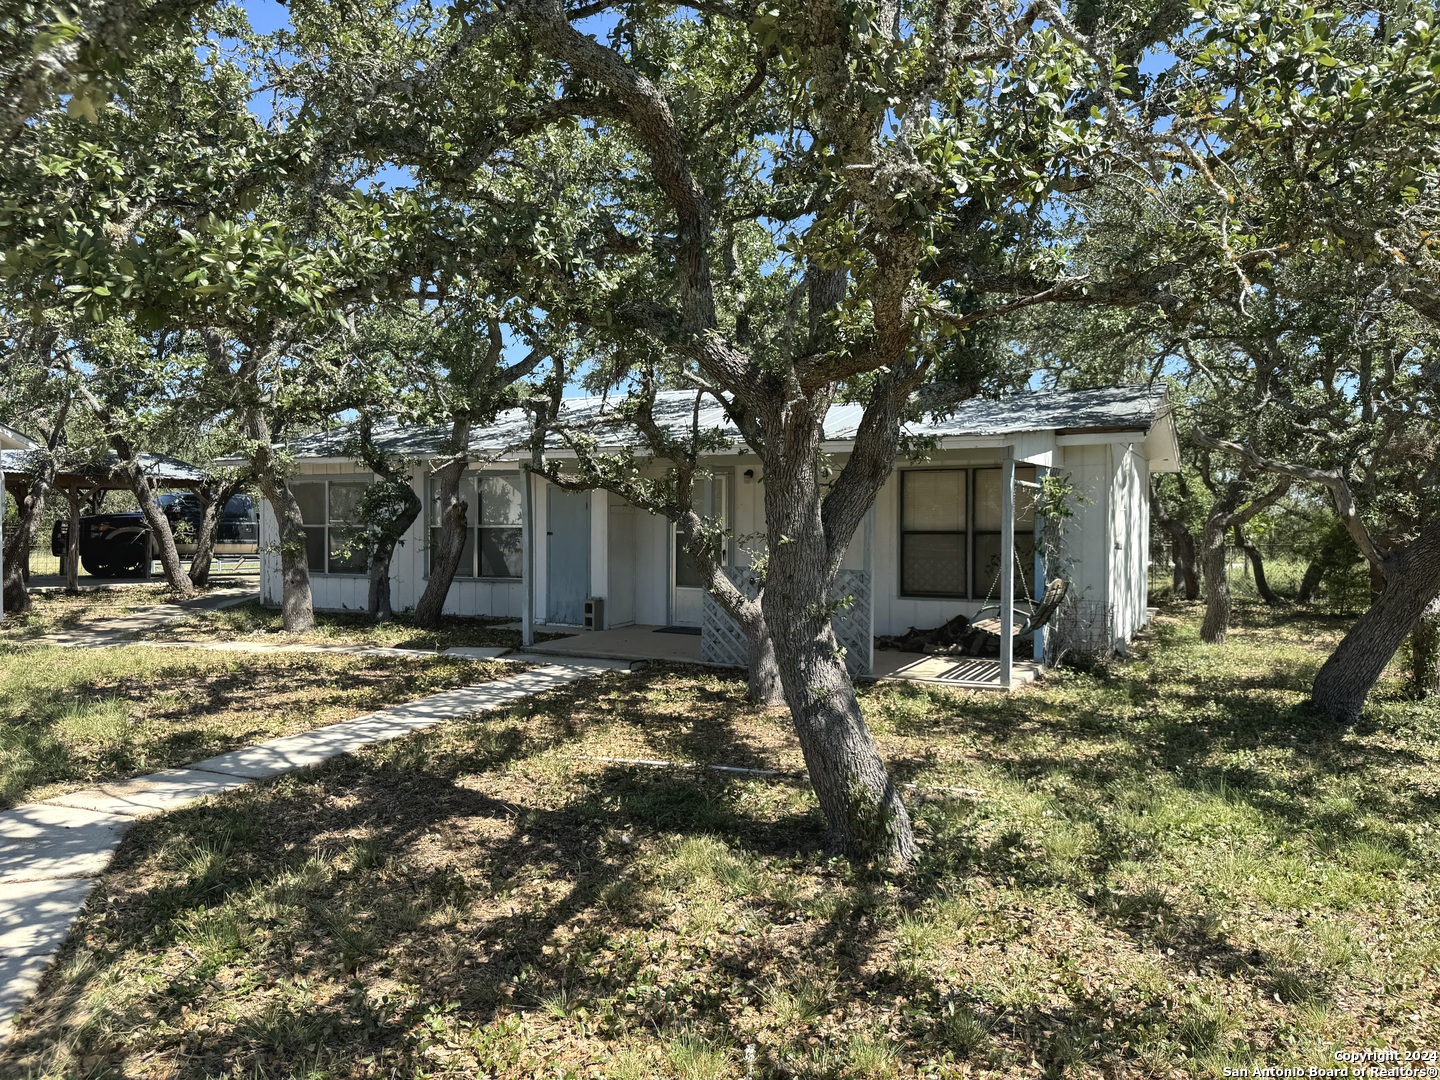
1082, 633
1340, 591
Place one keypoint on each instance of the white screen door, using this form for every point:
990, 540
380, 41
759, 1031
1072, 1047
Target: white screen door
686, 591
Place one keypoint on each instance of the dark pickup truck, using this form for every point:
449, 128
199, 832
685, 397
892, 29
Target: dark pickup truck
113, 545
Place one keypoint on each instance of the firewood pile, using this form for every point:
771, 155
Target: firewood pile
954, 638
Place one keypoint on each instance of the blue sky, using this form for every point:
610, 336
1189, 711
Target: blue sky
266, 16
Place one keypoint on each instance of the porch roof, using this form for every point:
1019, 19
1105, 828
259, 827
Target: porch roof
100, 473
1105, 409
10, 439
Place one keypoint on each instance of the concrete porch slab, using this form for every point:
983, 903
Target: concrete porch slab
643, 642
956, 672
640, 642
39, 842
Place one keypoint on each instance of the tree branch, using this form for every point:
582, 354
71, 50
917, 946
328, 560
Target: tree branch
1331, 479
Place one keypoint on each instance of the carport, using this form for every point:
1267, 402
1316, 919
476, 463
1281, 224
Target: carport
21, 460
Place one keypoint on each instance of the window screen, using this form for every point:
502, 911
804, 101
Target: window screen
932, 532
493, 535
950, 532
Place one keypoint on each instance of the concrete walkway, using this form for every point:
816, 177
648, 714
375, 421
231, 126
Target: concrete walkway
463, 652
51, 851
109, 631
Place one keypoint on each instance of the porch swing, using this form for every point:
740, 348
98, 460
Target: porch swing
1027, 619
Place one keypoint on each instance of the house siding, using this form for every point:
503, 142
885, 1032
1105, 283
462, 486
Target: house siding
1086, 555
1106, 544
1130, 548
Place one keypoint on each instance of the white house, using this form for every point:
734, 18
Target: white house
932, 548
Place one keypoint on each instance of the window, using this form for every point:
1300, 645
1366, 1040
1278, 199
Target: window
987, 532
950, 532
493, 537
334, 537
933, 532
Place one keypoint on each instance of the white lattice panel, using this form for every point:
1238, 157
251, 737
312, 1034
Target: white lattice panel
851, 623
723, 642
721, 639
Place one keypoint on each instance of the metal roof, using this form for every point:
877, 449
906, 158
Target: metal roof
1110, 408
10, 438
160, 467
1115, 408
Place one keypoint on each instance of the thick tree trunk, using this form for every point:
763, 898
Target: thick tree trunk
389, 509
764, 686
162, 540
20, 539
387, 539
72, 544
1216, 623
204, 556
862, 807
1310, 582
1183, 555
1257, 564
445, 555
297, 605
1182, 549
377, 601
1425, 652
214, 501
1412, 582
1226, 513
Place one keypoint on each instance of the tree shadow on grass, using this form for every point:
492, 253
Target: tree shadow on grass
270, 878
187, 712
1286, 765
444, 880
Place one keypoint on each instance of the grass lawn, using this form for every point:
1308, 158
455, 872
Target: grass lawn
1172, 867
251, 622
52, 613
72, 717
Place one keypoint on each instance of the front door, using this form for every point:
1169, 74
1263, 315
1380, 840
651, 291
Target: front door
687, 593
567, 560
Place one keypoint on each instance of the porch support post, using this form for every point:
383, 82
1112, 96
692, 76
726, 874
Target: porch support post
1041, 639
1007, 569
527, 564
2, 543
599, 542
870, 589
